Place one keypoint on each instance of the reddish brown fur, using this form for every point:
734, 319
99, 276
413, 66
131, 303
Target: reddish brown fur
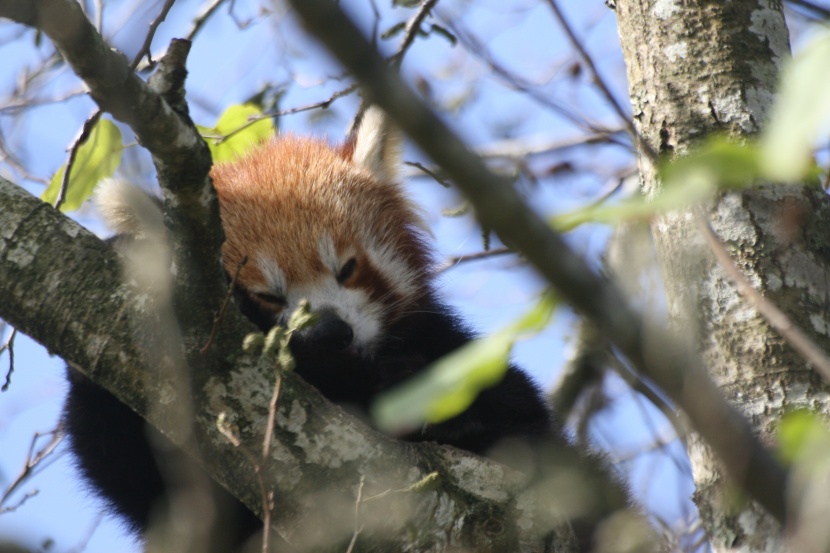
284, 196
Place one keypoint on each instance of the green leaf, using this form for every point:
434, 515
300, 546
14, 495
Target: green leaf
801, 112
451, 384
802, 434
97, 159
235, 134
718, 164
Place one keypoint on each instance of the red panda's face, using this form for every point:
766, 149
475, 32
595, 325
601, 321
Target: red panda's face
316, 224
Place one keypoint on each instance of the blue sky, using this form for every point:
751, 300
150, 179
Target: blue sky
227, 64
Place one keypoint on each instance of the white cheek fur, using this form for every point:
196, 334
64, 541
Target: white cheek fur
394, 269
353, 306
273, 274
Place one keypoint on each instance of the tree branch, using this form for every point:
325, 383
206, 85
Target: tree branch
677, 370
318, 455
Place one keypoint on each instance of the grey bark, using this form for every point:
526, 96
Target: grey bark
695, 68
676, 369
62, 286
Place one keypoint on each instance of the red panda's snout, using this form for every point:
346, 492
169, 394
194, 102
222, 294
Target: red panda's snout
331, 332
353, 302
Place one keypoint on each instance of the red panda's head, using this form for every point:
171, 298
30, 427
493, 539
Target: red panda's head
328, 225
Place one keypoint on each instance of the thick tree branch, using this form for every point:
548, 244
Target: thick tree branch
180, 155
677, 370
319, 454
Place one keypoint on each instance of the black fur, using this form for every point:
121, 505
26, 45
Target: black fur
118, 459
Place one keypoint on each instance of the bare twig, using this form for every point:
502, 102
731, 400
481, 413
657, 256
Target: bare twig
82, 545
202, 17
83, 136
151, 32
218, 317
33, 460
456, 260
819, 11
324, 104
518, 83
413, 27
358, 528
272, 416
516, 149
430, 172
777, 319
598, 80
9, 345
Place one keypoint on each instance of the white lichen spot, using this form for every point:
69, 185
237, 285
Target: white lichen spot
733, 221
774, 281
478, 478
768, 24
797, 393
758, 101
677, 52
23, 254
70, 228
819, 324
296, 418
664, 9
167, 394
731, 108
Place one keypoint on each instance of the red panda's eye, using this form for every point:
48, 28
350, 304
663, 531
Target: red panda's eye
347, 270
272, 300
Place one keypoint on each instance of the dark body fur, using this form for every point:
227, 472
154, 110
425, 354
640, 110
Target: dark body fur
114, 450
313, 219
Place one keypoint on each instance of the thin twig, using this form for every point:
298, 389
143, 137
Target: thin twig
324, 104
357, 529
810, 6
521, 148
202, 18
518, 83
600, 82
272, 415
443, 182
458, 259
9, 345
82, 545
26, 497
86, 132
151, 32
218, 317
413, 27
32, 461
776, 318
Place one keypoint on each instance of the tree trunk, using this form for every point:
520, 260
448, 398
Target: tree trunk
695, 68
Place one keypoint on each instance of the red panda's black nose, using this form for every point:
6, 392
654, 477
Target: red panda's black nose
331, 332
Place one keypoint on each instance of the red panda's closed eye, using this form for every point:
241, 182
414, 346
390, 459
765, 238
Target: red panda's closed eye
347, 270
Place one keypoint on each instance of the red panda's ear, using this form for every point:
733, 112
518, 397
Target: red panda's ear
376, 145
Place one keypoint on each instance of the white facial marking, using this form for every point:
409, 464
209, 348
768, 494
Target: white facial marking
273, 274
328, 253
394, 269
352, 305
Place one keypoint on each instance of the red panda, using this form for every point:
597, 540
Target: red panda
333, 226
